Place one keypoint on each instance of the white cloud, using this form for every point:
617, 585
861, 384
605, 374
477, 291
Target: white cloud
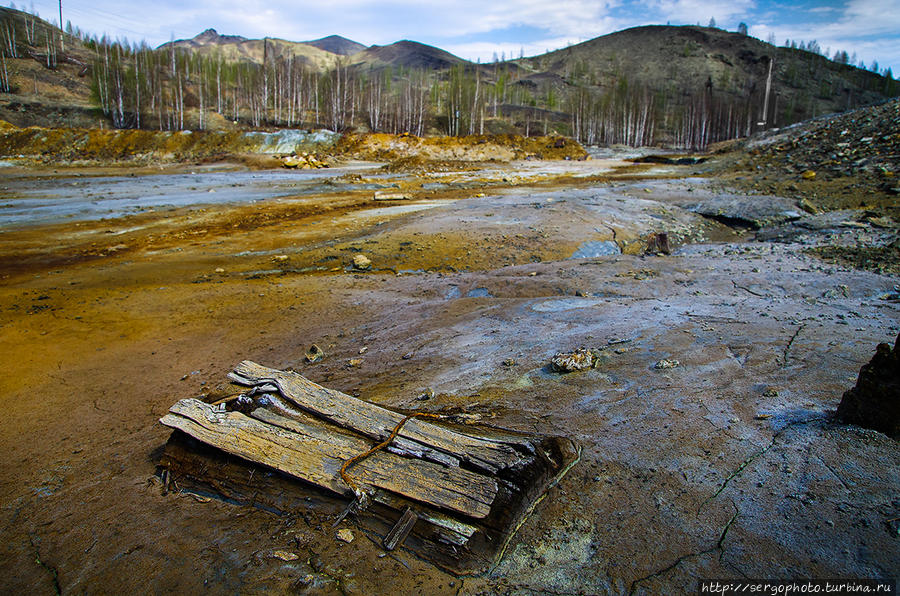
868, 27
700, 11
485, 50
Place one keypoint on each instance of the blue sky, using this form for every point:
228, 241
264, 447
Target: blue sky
476, 29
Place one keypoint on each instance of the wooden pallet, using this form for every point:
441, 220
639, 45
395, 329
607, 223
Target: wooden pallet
453, 495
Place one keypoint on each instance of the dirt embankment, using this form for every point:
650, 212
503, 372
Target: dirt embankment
83, 146
504, 147
848, 161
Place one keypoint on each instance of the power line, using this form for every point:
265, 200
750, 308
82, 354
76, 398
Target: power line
98, 21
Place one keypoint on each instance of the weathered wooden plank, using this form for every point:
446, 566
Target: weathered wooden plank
400, 530
457, 532
212, 469
399, 445
375, 421
316, 455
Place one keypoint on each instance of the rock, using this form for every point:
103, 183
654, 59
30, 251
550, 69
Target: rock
807, 206
882, 222
387, 195
808, 175
361, 263
592, 249
314, 354
841, 291
875, 400
479, 293
354, 362
658, 243
285, 555
426, 395
672, 161
666, 364
581, 359
733, 209
292, 162
304, 161
345, 535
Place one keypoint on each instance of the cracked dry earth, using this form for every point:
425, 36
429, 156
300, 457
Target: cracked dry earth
724, 466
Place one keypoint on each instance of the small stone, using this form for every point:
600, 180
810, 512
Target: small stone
280, 258
808, 175
770, 392
363, 349
362, 263
314, 354
426, 395
841, 291
355, 362
219, 270
581, 359
285, 555
666, 363
510, 362
345, 535
807, 206
292, 161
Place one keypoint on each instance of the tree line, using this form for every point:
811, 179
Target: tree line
172, 88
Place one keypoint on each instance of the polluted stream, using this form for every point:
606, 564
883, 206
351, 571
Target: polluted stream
708, 450
31, 201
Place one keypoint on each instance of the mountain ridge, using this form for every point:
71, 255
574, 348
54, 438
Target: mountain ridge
649, 84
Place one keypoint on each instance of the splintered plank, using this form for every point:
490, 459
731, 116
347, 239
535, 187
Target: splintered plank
315, 455
377, 422
400, 530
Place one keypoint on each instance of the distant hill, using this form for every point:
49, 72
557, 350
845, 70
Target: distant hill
688, 60
236, 47
406, 54
678, 86
209, 37
321, 53
337, 45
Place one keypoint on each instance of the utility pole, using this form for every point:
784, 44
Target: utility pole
62, 32
765, 114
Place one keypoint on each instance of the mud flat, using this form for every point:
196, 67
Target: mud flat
708, 449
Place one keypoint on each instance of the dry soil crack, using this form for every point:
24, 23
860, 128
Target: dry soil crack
54, 574
719, 546
753, 458
787, 348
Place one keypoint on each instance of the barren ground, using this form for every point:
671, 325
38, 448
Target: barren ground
724, 466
